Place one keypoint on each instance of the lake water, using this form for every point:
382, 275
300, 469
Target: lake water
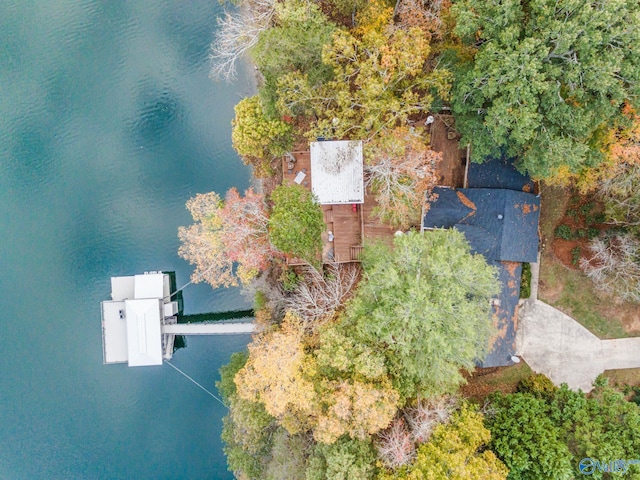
108, 124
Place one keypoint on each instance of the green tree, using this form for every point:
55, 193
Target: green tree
247, 429
379, 80
426, 305
288, 457
296, 222
527, 440
294, 43
258, 139
346, 459
545, 437
549, 78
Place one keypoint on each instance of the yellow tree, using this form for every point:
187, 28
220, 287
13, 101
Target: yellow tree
456, 451
380, 79
277, 375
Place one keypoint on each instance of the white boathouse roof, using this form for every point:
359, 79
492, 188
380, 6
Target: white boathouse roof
337, 172
132, 320
144, 335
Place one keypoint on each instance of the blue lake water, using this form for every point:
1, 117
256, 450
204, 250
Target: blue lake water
108, 124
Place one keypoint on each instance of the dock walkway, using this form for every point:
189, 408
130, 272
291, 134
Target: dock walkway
208, 328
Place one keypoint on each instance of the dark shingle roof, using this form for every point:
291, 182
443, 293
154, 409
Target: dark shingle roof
498, 173
502, 345
505, 242
498, 223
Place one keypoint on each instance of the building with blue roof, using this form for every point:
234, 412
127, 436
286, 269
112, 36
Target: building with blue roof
500, 221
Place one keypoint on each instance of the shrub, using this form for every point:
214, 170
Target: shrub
564, 232
586, 208
575, 256
538, 385
592, 233
525, 283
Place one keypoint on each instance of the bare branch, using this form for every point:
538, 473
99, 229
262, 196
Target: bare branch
237, 33
320, 294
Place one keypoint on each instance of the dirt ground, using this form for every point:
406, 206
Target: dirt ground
485, 381
561, 208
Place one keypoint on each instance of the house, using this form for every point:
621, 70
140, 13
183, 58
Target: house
334, 172
499, 218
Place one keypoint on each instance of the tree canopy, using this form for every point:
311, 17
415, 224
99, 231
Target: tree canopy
548, 80
233, 230
296, 223
380, 78
543, 435
257, 138
456, 451
426, 305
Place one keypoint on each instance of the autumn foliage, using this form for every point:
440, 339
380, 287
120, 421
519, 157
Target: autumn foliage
401, 172
233, 230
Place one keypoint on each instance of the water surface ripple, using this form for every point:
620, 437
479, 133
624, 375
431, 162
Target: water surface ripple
108, 124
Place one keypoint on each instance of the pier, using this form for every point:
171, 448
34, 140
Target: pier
208, 328
141, 321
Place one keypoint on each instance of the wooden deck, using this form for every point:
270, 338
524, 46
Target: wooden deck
451, 168
350, 225
373, 229
302, 163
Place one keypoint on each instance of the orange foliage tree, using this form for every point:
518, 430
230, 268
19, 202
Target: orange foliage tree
224, 232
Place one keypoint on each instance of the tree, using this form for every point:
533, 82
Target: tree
257, 138
247, 429
620, 191
296, 222
456, 451
401, 172
526, 439
277, 375
293, 43
346, 459
426, 305
224, 232
319, 294
548, 78
614, 266
545, 437
288, 456
424, 14
379, 80
412, 427
237, 33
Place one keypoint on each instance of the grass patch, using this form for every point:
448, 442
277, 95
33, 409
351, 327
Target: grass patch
627, 377
573, 293
570, 290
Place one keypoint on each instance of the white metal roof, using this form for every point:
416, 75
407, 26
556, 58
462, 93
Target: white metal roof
114, 332
144, 336
122, 287
337, 172
149, 285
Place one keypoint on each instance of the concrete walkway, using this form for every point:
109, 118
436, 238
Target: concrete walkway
555, 344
